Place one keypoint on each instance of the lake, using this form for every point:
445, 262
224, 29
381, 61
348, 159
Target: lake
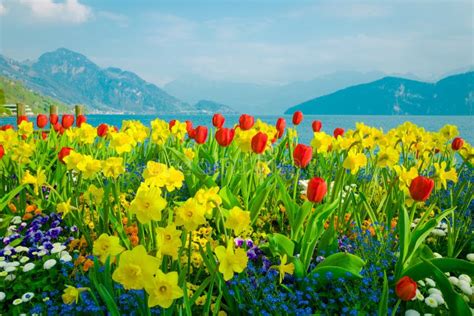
465, 124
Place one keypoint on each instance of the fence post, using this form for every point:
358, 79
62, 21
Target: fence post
53, 109
20, 111
79, 110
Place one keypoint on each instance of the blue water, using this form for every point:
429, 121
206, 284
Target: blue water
465, 124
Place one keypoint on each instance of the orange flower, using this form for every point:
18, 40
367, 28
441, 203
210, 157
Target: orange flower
12, 207
27, 216
87, 265
30, 208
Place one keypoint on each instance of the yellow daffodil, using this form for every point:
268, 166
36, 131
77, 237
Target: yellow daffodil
135, 268
37, 181
88, 166
387, 157
321, 142
71, 294
188, 152
449, 131
113, 167
22, 152
147, 204
86, 134
25, 128
209, 198
190, 215
284, 268
243, 139
168, 240
122, 142
135, 129
238, 220
163, 289
64, 207
442, 176
354, 161
262, 168
160, 131
106, 246
94, 195
230, 261
179, 130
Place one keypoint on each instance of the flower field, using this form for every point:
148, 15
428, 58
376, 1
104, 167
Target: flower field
239, 218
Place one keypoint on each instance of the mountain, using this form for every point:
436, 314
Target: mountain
213, 107
12, 91
453, 95
73, 78
264, 98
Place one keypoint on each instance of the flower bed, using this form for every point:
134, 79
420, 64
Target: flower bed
244, 220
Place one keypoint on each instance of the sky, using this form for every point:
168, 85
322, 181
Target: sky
266, 41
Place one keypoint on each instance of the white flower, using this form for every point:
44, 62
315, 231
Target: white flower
27, 296
16, 220
2, 296
465, 277
2, 258
3, 273
10, 269
430, 282
49, 264
3, 264
470, 256
431, 302
46, 299
453, 280
17, 301
434, 290
41, 253
28, 267
418, 296
465, 287
24, 259
13, 264
437, 255
411, 312
438, 232
438, 298
421, 282
10, 277
21, 249
57, 247
7, 252
65, 257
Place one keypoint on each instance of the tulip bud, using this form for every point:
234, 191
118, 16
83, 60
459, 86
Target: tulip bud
317, 189
420, 188
302, 155
171, 124
406, 288
297, 117
457, 143
57, 127
317, 125
189, 125
53, 119
44, 135
218, 120
201, 134
338, 132
259, 142
224, 136
246, 122
80, 119
2, 151
63, 153
6, 127
21, 118
67, 121
102, 130
280, 126
41, 120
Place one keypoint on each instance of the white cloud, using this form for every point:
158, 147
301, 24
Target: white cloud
3, 9
70, 11
119, 19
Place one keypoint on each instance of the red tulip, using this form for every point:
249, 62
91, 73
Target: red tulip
280, 126
259, 142
317, 189
457, 143
338, 132
2, 151
171, 124
420, 188
406, 288
67, 121
224, 136
80, 119
192, 133
102, 130
63, 153
53, 119
57, 127
246, 122
317, 125
189, 125
21, 118
41, 120
297, 117
218, 120
302, 155
6, 127
201, 134
116, 129
44, 135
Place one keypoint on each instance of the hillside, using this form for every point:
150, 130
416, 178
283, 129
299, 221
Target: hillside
12, 91
213, 107
453, 95
72, 78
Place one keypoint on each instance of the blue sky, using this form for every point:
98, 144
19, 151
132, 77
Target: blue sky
267, 41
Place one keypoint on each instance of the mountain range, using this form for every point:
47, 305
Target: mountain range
453, 95
72, 78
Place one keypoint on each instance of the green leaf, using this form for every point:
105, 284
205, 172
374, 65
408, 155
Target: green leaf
422, 270
336, 273
344, 260
383, 304
259, 199
228, 198
281, 244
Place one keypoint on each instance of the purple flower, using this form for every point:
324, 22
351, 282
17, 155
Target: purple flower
239, 242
